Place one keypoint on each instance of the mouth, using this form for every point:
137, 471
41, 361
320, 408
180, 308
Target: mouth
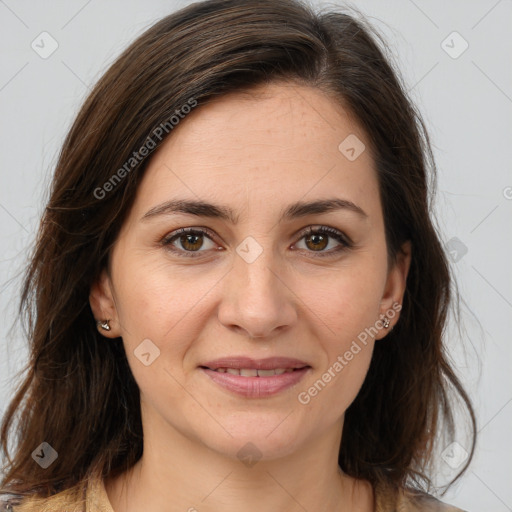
253, 378
252, 372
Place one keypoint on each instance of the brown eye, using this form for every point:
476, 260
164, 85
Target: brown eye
317, 241
191, 242
186, 242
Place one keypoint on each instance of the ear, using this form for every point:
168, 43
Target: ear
103, 305
392, 299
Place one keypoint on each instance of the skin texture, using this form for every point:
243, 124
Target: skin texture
255, 153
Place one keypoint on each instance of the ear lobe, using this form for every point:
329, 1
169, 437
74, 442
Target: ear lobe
103, 306
395, 287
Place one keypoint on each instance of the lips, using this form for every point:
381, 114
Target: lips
255, 378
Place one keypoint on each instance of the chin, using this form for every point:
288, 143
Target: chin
257, 437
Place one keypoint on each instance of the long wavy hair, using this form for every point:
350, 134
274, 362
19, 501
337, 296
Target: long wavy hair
77, 392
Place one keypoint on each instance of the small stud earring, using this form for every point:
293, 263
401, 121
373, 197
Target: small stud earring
103, 325
386, 322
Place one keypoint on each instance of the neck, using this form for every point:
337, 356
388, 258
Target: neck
181, 474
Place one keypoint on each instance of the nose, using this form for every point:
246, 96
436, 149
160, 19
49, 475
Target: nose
257, 300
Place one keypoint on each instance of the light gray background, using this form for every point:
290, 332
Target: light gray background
466, 102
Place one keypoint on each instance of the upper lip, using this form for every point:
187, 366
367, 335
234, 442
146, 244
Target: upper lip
269, 363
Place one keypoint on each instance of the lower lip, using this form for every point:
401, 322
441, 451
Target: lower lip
256, 387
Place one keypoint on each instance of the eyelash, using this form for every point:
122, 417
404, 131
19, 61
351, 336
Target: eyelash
345, 242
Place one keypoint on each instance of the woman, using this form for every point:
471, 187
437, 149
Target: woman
238, 293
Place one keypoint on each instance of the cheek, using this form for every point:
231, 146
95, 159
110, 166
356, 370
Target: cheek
161, 313
349, 301
165, 305
348, 307
336, 388
346, 348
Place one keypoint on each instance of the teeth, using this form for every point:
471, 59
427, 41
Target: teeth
266, 373
253, 372
248, 372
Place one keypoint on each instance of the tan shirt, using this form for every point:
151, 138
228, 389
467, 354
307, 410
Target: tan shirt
96, 499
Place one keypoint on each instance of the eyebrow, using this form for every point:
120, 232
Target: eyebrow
293, 211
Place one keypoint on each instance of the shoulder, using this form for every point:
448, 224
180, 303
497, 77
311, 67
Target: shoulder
8, 502
416, 501
389, 499
89, 495
64, 501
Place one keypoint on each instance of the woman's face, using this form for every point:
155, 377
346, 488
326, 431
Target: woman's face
250, 281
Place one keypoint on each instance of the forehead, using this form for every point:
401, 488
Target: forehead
275, 143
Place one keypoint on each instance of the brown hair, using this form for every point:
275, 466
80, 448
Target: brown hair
79, 394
